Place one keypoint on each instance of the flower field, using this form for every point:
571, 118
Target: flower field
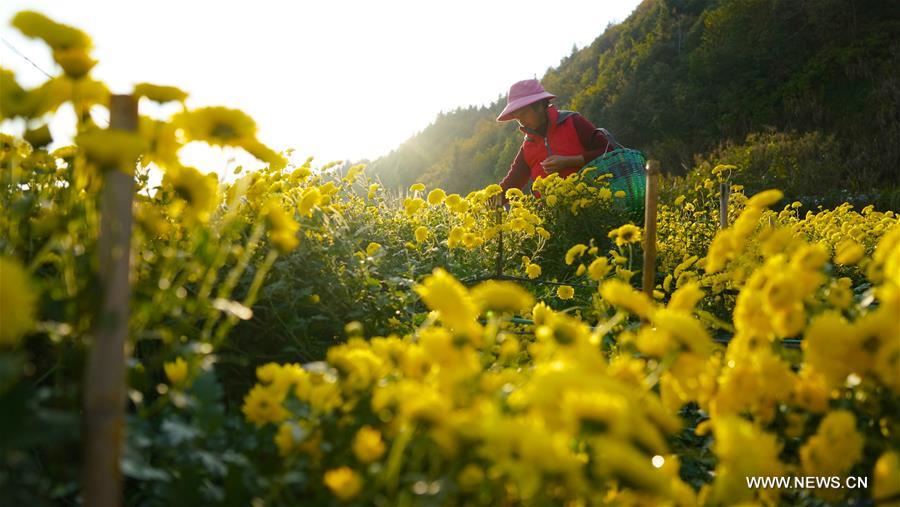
303, 336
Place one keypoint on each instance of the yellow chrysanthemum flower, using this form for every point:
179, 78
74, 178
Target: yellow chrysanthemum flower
353, 172
810, 391
626, 234
616, 459
765, 198
565, 292
840, 293
623, 295
436, 196
492, 190
417, 187
421, 234
886, 477
112, 149
412, 205
311, 198
17, 302
176, 371
282, 227
56, 35
344, 483
301, 173
471, 240
444, 294
722, 168
533, 271
162, 142
810, 257
160, 94
372, 248
509, 348
743, 451
368, 445
75, 62
686, 298
686, 329
455, 237
832, 348
835, 447
575, 251
262, 152
197, 190
218, 126
263, 405
514, 193
848, 253
599, 268
502, 297
541, 313
452, 200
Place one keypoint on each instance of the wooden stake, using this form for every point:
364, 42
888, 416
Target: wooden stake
499, 265
649, 270
104, 401
724, 194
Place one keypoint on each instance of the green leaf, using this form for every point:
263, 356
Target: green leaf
177, 432
134, 466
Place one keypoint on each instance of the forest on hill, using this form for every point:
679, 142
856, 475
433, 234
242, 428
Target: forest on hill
803, 95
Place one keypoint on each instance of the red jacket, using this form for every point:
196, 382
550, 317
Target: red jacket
568, 133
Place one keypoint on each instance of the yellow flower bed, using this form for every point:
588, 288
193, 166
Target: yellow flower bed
554, 419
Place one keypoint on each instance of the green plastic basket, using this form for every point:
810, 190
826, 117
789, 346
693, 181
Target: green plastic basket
627, 169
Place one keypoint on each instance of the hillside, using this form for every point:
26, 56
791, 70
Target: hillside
681, 78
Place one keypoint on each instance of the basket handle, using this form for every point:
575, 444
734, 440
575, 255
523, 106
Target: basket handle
609, 139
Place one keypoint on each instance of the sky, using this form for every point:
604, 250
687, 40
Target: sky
336, 80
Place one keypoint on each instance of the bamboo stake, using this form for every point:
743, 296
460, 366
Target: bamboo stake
499, 264
104, 403
649, 270
724, 194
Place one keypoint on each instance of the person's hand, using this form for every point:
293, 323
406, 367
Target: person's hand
556, 163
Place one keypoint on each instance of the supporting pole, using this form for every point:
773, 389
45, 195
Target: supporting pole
649, 270
499, 266
724, 194
104, 402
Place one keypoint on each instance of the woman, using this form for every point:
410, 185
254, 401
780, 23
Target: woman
555, 141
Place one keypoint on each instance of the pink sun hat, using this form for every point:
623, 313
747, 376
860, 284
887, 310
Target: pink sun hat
522, 94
